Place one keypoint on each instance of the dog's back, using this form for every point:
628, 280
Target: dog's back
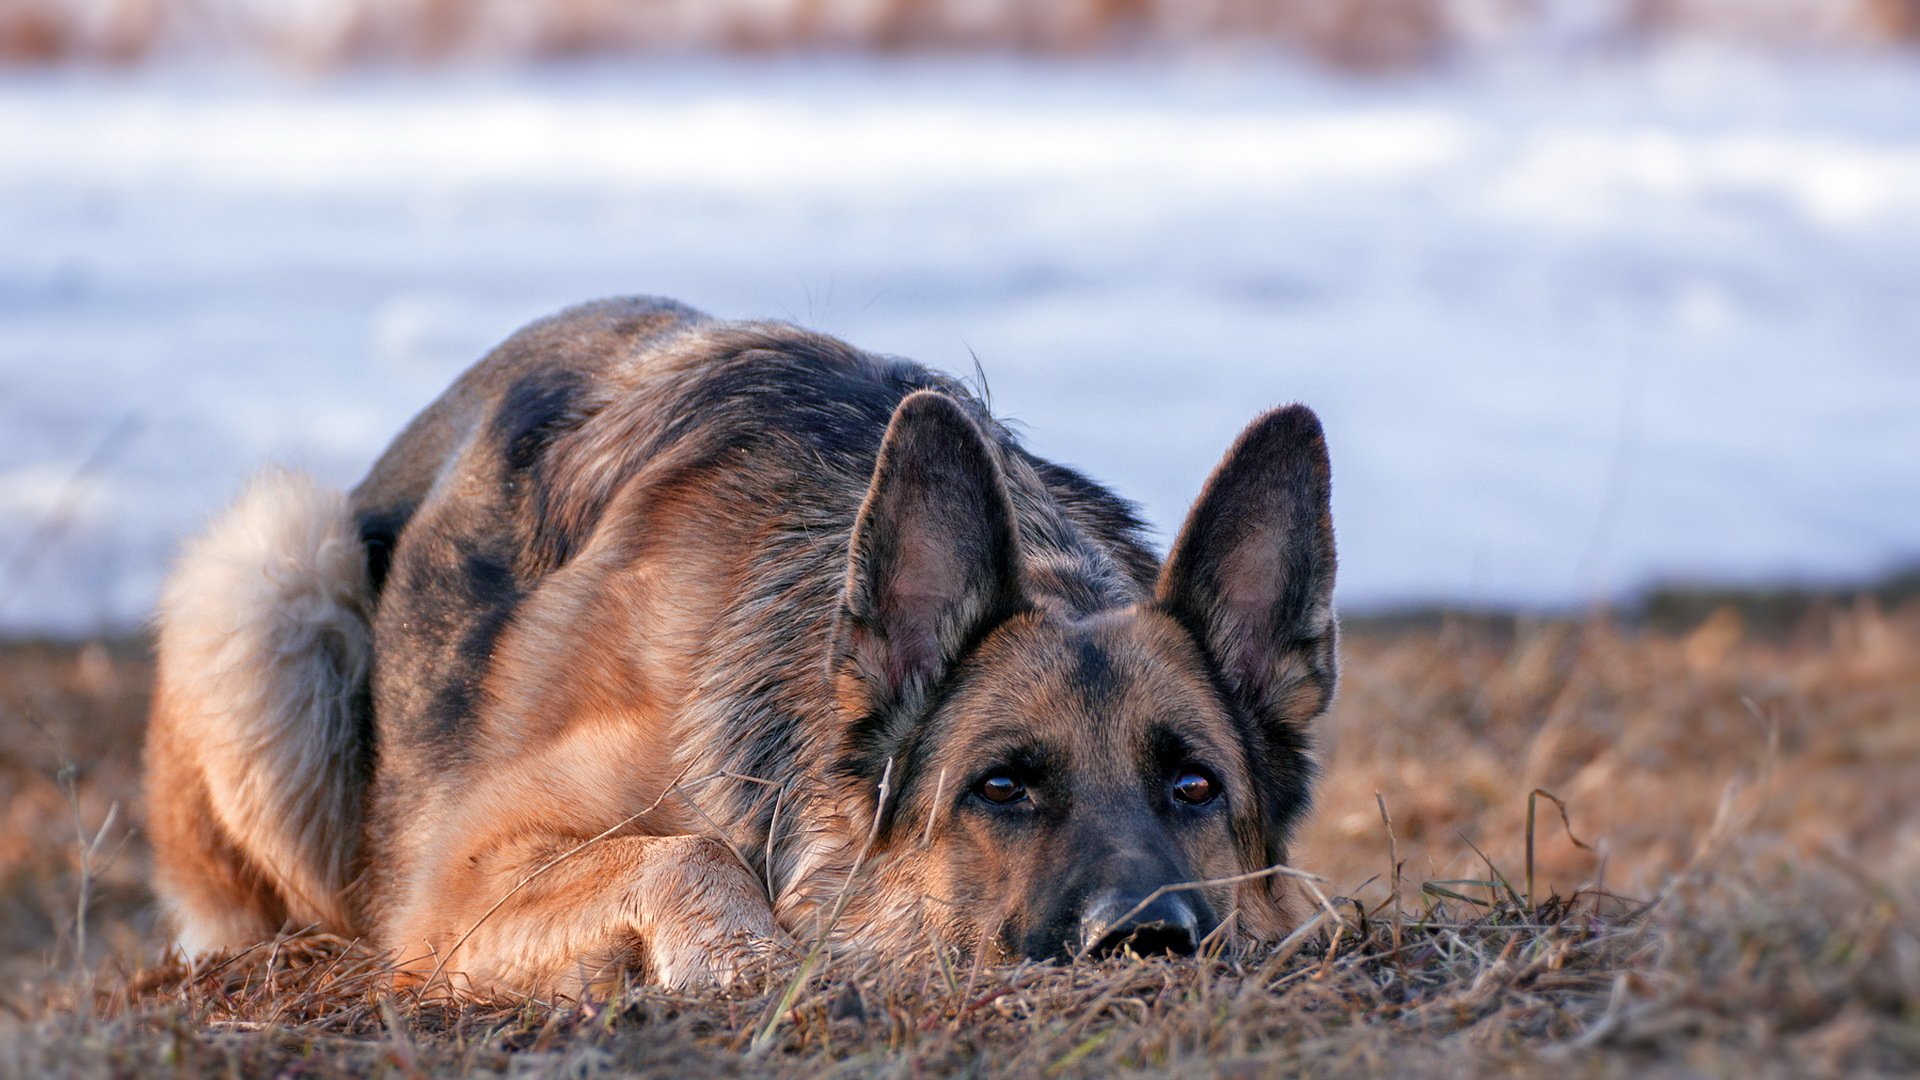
260, 750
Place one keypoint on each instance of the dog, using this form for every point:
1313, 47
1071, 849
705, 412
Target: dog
659, 641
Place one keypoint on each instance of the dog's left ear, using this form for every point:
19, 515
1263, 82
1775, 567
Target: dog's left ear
1251, 578
933, 565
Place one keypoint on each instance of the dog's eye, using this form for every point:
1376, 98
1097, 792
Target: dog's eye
1001, 789
1194, 787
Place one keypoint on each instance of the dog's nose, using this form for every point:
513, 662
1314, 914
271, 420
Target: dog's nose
1115, 922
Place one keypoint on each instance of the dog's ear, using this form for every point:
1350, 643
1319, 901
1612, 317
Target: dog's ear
1251, 578
934, 563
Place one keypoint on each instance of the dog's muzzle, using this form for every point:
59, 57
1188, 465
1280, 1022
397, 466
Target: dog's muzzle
1115, 922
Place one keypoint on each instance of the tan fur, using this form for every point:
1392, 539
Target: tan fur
264, 653
659, 630
543, 916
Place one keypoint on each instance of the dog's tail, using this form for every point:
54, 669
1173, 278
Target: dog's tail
260, 746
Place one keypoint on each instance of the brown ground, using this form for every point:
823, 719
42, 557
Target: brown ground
1759, 788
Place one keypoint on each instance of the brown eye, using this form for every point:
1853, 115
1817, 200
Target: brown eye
1001, 789
1193, 787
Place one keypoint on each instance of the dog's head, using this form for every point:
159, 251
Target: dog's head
1054, 779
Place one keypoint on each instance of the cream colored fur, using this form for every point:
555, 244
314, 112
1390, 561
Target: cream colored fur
264, 655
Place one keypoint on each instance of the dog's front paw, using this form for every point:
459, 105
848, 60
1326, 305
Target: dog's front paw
707, 921
718, 959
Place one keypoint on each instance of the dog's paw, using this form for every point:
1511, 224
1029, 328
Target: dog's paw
716, 960
706, 921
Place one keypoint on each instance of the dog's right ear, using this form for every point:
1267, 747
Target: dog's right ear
934, 563
1251, 574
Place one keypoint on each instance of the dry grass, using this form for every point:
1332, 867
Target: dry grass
1752, 799
1362, 34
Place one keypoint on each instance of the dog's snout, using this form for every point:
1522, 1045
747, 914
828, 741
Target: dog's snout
1115, 923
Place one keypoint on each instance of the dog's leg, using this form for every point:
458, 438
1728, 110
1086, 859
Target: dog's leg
552, 916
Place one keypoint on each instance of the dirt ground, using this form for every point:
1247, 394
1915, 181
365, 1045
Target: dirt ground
1743, 894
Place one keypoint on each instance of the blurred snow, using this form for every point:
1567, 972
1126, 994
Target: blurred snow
1572, 331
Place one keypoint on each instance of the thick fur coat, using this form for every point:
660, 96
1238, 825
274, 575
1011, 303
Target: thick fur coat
657, 641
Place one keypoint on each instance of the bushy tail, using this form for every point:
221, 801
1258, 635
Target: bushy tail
261, 743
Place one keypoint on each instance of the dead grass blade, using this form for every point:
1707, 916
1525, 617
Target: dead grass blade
1533, 799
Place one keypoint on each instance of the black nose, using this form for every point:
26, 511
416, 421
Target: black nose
1116, 922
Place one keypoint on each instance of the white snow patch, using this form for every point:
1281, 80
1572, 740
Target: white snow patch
1570, 332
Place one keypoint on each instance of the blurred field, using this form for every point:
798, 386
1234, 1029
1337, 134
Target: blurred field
1357, 34
1574, 330
1746, 786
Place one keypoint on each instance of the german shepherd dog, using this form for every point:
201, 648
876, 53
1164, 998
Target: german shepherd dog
658, 641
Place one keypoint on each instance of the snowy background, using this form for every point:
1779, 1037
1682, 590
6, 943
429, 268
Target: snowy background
1574, 328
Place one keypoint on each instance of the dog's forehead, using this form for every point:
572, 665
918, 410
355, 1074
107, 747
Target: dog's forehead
1111, 677
1130, 661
